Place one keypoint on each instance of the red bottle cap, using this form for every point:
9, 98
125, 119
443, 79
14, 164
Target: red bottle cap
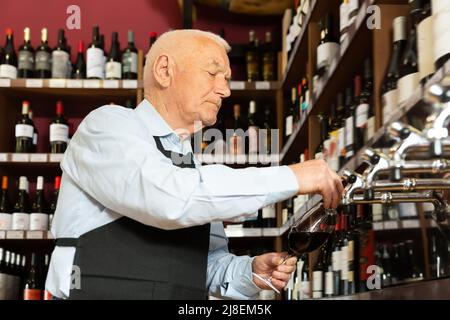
57, 182
152, 34
9, 32
80, 46
59, 108
4, 182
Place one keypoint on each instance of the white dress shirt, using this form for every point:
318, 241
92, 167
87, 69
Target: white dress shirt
112, 168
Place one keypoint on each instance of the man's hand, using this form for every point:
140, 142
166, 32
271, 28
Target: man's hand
315, 177
270, 265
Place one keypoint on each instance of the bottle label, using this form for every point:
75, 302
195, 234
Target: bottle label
5, 221
35, 139
377, 212
428, 207
60, 64
305, 290
269, 212
440, 6
326, 53
236, 145
329, 290
26, 60
441, 34
47, 295
95, 63
24, 130
252, 140
336, 260
371, 129
20, 221
113, 70
353, 7
289, 125
407, 210
344, 262
59, 132
38, 221
43, 60
349, 138
407, 85
425, 46
129, 62
343, 21
305, 102
341, 141
317, 281
389, 101
362, 114
31, 294
8, 71
252, 66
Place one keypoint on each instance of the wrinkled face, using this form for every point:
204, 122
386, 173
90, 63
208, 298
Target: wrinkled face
201, 81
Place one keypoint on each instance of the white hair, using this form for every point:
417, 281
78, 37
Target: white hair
166, 40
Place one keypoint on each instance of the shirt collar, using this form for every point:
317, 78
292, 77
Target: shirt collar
156, 125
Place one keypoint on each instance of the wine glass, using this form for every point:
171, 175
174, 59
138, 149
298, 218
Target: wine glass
307, 234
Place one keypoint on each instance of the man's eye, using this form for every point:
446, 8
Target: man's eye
212, 74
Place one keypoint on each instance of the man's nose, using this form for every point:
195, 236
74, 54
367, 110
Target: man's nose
223, 88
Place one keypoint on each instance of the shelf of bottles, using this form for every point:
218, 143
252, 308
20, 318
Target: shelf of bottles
387, 83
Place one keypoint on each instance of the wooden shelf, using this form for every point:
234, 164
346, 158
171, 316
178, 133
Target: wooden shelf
25, 235
419, 290
30, 164
70, 85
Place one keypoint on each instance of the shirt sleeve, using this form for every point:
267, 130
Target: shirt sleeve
111, 160
228, 276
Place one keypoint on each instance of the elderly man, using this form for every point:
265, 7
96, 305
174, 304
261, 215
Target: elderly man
133, 224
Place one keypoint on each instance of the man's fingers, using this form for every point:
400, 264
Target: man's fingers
326, 195
281, 276
278, 283
291, 261
285, 269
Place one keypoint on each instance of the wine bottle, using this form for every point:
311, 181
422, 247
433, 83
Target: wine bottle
328, 47
269, 218
336, 259
343, 21
332, 145
436, 263
319, 273
289, 120
349, 125
266, 136
59, 131
441, 31
39, 210
32, 291
8, 63
43, 57
305, 285
365, 117
361, 113
24, 131
113, 64
323, 121
252, 58
5, 206
26, 57
409, 78
46, 294
95, 61
21, 216
35, 132
340, 109
130, 59
236, 140
54, 202
268, 59
386, 263
389, 86
61, 57
253, 129
414, 272
152, 38
79, 69
425, 42
305, 97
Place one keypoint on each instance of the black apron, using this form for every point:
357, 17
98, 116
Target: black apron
126, 259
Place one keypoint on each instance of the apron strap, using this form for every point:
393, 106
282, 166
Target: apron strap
66, 242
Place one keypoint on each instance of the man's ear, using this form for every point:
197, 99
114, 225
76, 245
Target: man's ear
162, 70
